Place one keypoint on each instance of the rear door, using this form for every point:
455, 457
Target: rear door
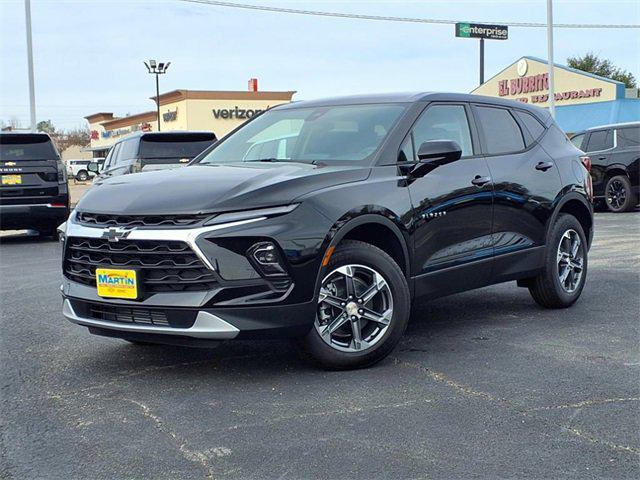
627, 153
599, 146
526, 182
30, 169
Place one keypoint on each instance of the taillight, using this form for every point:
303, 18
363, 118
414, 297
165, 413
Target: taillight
586, 161
62, 172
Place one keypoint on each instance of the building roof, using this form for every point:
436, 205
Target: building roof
130, 120
99, 117
178, 95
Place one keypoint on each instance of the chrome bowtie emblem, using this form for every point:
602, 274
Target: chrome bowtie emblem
115, 234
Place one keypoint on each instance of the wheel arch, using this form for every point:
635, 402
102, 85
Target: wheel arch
577, 205
374, 228
615, 169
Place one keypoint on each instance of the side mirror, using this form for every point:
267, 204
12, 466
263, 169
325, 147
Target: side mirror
94, 167
435, 153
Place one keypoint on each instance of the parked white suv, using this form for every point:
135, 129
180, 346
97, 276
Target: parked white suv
79, 169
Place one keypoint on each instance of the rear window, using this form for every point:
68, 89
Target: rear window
174, 146
26, 147
629, 137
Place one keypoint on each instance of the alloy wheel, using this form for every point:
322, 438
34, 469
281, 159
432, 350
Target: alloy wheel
355, 308
616, 194
570, 259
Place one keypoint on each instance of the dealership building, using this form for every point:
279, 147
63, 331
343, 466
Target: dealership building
202, 110
582, 99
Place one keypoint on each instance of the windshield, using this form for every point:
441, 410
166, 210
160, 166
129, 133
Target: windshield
349, 133
26, 147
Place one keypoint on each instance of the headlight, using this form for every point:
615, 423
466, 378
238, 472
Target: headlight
247, 214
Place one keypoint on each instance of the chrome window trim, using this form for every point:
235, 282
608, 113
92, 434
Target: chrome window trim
207, 325
187, 235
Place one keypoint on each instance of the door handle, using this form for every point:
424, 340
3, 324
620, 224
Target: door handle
544, 166
479, 181
602, 158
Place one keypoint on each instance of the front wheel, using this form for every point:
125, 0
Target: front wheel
618, 195
82, 176
562, 279
363, 309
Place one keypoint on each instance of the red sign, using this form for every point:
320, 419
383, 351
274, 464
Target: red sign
94, 135
540, 83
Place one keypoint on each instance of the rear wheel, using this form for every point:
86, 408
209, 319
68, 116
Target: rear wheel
560, 283
363, 309
618, 195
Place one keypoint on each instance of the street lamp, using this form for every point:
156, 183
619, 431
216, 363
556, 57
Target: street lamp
157, 69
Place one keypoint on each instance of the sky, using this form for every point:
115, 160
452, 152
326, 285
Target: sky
88, 54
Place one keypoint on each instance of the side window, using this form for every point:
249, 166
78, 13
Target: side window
600, 140
502, 132
444, 122
577, 140
406, 151
107, 161
629, 137
532, 124
115, 155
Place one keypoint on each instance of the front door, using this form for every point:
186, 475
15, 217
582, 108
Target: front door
452, 207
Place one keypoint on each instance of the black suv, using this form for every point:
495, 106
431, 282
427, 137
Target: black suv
361, 205
142, 152
615, 158
34, 192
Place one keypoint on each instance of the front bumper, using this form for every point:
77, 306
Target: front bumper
206, 325
234, 306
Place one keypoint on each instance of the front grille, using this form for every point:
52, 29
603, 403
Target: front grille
160, 317
102, 220
162, 266
128, 315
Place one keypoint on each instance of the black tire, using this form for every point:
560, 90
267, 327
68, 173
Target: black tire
618, 194
547, 289
315, 350
82, 176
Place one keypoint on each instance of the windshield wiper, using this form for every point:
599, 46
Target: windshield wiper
275, 160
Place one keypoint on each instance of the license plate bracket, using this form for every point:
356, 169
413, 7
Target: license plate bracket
117, 283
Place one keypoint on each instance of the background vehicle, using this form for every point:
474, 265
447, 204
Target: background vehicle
141, 151
615, 160
369, 203
79, 169
33, 193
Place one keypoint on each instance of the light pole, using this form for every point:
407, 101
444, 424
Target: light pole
552, 91
157, 69
32, 90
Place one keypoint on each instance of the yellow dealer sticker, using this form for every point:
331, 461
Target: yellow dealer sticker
11, 179
113, 283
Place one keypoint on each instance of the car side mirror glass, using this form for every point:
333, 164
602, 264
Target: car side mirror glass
93, 167
435, 153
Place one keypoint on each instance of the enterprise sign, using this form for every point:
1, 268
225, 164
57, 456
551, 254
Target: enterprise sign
477, 30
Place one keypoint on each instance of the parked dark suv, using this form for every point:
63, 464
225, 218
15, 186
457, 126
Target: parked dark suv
33, 192
368, 203
142, 152
615, 158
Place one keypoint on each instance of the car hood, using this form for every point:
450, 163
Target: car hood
213, 188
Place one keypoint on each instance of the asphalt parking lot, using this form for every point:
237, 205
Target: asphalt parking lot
484, 385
